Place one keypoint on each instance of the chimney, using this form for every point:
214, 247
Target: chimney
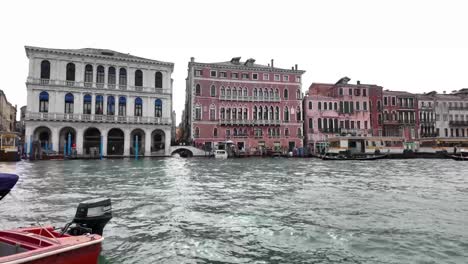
358, 82
295, 67
444, 92
292, 68
272, 63
192, 59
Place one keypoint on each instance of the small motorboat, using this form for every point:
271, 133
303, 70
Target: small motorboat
79, 242
221, 154
459, 157
354, 157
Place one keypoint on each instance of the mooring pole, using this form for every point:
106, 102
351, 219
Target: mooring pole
136, 147
100, 148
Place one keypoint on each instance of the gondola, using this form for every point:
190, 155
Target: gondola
354, 157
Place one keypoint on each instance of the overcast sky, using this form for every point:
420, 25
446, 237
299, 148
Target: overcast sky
418, 46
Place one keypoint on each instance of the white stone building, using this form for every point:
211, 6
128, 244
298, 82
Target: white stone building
100, 99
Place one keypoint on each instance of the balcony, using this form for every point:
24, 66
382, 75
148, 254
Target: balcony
249, 98
458, 108
241, 122
92, 85
458, 123
97, 118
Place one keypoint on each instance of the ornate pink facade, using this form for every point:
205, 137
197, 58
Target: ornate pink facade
340, 108
257, 107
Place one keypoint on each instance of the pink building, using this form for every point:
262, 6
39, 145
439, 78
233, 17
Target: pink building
400, 115
257, 107
340, 109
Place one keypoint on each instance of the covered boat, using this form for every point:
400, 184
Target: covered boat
79, 242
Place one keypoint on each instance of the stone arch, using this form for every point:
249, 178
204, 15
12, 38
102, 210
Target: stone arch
67, 140
158, 139
141, 141
91, 141
115, 141
183, 152
43, 135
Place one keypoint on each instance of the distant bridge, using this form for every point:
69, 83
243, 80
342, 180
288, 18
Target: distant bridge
188, 151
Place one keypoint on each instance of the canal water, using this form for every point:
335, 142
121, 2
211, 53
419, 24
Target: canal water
257, 210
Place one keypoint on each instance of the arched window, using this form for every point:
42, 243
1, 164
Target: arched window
325, 106
319, 123
99, 107
271, 94
110, 105
223, 113
311, 124
88, 75
158, 108
235, 132
111, 77
330, 106
277, 113
265, 113
44, 102
123, 78
276, 93
138, 78
138, 107
270, 114
246, 114
239, 113
255, 113
286, 132
100, 76
310, 105
87, 104
234, 92
45, 70
197, 132
215, 132
260, 92
245, 92
260, 113
228, 113
212, 112
197, 89
319, 105
286, 93
213, 91
122, 106
70, 72
336, 107
255, 92
298, 94
158, 80
69, 102
298, 114
228, 92
286, 114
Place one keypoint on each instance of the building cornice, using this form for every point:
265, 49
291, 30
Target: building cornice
244, 68
30, 49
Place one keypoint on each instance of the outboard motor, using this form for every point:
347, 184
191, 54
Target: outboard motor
91, 217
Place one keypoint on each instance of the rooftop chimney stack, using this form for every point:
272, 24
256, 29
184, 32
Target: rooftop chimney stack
295, 67
358, 82
272, 63
192, 59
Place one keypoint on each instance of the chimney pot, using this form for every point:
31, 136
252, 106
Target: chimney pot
358, 82
192, 59
295, 67
272, 63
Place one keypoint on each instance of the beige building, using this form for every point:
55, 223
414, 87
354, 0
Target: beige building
7, 114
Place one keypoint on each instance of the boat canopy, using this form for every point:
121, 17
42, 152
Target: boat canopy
7, 181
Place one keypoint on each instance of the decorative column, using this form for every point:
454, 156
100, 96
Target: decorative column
167, 143
127, 141
79, 141
104, 142
148, 142
104, 104
55, 139
93, 104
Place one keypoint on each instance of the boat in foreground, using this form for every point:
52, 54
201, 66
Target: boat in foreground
353, 157
221, 154
79, 242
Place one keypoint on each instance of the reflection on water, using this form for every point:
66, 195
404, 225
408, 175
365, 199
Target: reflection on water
180, 210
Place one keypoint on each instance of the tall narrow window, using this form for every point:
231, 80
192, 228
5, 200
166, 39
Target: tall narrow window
298, 94
286, 114
286, 93
88, 75
298, 114
69, 100
87, 104
212, 113
138, 78
138, 107
122, 106
310, 123
122, 78
70, 73
111, 77
110, 105
158, 80
215, 132
197, 89
158, 108
43, 102
198, 115
310, 105
45, 70
213, 91
100, 76
99, 107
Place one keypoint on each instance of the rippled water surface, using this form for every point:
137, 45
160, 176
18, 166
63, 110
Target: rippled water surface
178, 210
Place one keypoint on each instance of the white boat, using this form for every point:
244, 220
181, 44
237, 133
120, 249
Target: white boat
220, 154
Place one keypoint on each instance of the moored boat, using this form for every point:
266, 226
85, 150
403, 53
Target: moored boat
9, 150
354, 157
78, 242
220, 154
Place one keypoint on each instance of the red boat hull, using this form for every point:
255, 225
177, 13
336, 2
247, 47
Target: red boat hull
46, 246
